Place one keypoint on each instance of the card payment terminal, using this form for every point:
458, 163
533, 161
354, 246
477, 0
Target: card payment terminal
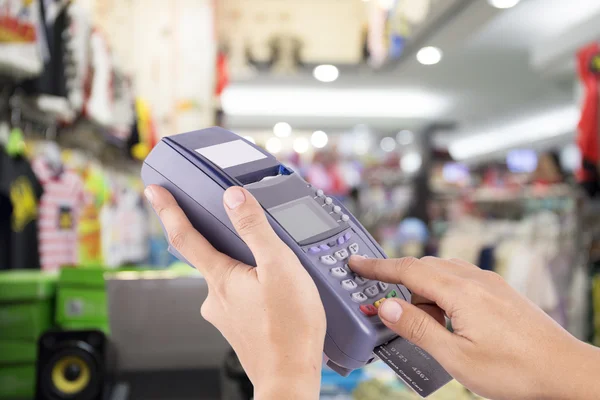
197, 167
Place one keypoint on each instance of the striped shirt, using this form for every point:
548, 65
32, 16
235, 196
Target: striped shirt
60, 207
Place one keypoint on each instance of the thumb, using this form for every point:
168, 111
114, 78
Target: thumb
250, 222
418, 327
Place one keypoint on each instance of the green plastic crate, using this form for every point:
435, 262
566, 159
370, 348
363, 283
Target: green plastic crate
17, 382
26, 304
91, 278
81, 299
19, 286
17, 352
81, 305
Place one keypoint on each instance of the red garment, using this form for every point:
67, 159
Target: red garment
587, 138
222, 74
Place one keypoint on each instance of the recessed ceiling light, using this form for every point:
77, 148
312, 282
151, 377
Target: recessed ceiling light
282, 129
250, 139
404, 137
429, 55
301, 145
273, 145
319, 139
503, 3
387, 144
326, 73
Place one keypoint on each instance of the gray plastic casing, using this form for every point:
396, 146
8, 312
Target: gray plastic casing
198, 186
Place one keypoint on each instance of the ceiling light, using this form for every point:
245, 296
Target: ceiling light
518, 133
250, 139
326, 73
273, 145
301, 145
282, 129
410, 163
387, 144
404, 137
319, 139
429, 55
269, 101
503, 3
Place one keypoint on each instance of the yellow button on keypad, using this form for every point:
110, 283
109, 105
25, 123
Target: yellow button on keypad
378, 302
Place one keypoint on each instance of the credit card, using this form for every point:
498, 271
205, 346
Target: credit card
420, 371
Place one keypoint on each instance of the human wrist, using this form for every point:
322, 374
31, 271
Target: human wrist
303, 386
571, 374
296, 377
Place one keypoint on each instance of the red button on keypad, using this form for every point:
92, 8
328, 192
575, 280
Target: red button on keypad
369, 310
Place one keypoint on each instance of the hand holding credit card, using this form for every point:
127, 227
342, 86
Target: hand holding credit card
502, 346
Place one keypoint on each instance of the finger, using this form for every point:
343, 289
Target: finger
418, 327
187, 240
426, 280
434, 311
417, 299
455, 266
250, 222
465, 265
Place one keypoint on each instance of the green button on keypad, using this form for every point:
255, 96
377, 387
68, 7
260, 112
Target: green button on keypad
391, 294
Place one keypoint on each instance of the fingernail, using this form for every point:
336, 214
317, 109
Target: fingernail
390, 311
149, 194
234, 197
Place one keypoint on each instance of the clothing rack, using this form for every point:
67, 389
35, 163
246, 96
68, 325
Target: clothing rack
528, 213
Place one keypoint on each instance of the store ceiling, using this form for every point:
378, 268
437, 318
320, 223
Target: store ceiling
486, 73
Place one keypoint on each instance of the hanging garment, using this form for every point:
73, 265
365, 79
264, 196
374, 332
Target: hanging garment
99, 107
528, 273
123, 113
20, 38
50, 87
60, 209
111, 248
132, 220
487, 260
78, 63
20, 193
588, 128
90, 240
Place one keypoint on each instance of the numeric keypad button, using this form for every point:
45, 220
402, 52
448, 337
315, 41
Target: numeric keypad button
341, 254
349, 284
359, 297
328, 260
372, 291
339, 272
353, 248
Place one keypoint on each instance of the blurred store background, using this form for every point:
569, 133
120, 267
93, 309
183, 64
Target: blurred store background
456, 128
